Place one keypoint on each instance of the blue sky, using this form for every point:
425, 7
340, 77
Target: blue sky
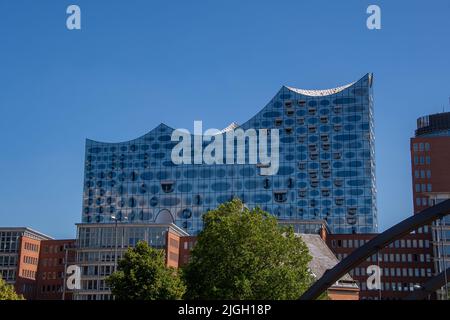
136, 63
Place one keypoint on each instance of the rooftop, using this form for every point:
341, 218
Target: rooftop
171, 226
433, 124
27, 231
323, 259
321, 93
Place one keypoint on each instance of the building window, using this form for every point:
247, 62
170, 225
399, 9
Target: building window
427, 146
324, 119
408, 243
415, 147
337, 155
338, 183
301, 165
421, 146
424, 201
167, 187
420, 243
280, 196
333, 243
337, 109
428, 160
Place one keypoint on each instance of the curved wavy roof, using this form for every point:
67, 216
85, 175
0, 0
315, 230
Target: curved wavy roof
321, 93
313, 93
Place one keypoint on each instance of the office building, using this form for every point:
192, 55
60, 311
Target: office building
405, 264
430, 159
19, 257
101, 246
54, 258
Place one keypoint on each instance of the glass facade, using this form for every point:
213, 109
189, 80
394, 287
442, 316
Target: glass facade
326, 168
9, 254
104, 237
98, 244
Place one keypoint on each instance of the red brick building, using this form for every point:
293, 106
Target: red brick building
405, 264
19, 258
186, 245
430, 171
55, 255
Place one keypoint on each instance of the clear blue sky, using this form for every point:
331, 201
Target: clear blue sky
135, 64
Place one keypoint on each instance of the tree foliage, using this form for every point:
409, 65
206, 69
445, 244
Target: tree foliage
245, 254
7, 292
143, 275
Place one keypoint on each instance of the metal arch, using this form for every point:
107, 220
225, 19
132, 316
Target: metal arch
431, 286
380, 241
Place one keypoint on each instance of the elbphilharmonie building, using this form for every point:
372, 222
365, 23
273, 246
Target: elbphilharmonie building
326, 168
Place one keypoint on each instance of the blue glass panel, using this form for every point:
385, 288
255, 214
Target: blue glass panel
220, 186
185, 187
272, 114
344, 100
285, 170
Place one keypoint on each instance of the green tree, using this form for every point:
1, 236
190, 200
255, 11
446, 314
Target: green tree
245, 254
7, 292
143, 275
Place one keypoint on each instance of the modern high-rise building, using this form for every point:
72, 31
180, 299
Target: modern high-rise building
430, 159
323, 173
326, 167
